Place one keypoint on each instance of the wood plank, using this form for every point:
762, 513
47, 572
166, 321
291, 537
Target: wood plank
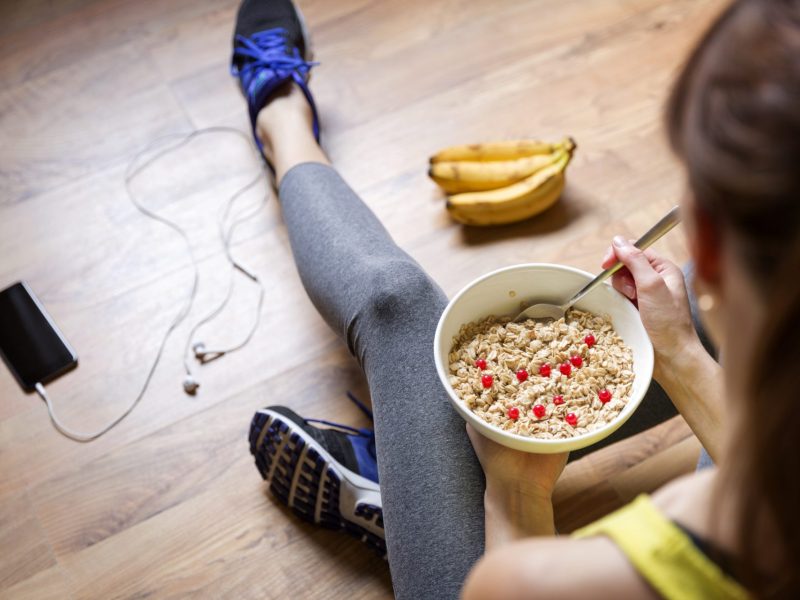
48, 584
55, 37
23, 545
658, 469
172, 465
52, 137
604, 464
162, 555
605, 480
17, 15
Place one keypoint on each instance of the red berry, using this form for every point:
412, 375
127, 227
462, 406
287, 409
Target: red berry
565, 368
590, 341
487, 381
576, 361
544, 370
558, 400
513, 413
522, 375
481, 363
572, 419
604, 396
538, 410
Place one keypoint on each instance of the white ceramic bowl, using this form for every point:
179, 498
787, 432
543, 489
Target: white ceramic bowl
500, 293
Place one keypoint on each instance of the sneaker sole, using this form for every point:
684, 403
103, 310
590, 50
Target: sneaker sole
316, 487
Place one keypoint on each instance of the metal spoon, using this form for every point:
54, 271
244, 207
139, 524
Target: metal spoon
554, 311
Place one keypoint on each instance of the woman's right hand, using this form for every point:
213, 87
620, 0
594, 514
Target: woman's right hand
658, 289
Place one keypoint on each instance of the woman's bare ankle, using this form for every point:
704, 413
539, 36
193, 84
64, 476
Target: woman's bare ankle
285, 128
286, 116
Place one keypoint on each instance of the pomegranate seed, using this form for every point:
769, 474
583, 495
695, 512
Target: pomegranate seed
544, 370
604, 396
576, 361
565, 368
538, 410
487, 381
513, 413
557, 400
481, 363
522, 375
572, 419
590, 341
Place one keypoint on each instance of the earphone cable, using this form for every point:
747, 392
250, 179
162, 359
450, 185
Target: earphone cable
225, 237
131, 172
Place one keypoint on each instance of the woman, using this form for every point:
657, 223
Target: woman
734, 120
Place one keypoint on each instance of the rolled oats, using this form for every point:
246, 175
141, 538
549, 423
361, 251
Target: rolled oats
508, 347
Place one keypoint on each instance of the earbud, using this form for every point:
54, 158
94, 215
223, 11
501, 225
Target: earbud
190, 385
203, 355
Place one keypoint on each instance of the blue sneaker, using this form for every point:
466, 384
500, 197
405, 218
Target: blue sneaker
270, 47
327, 476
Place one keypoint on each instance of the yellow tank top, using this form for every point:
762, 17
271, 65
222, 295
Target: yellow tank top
663, 554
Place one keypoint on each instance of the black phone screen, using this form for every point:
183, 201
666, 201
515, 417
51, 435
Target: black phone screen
30, 343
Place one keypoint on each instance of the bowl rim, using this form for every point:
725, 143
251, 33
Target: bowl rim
471, 417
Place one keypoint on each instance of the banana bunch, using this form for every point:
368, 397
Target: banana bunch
501, 182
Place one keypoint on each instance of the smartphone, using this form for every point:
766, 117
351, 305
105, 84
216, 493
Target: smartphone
30, 343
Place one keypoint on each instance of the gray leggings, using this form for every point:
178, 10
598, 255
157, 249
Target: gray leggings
385, 307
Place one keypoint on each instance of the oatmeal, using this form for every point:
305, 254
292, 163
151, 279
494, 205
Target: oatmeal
551, 380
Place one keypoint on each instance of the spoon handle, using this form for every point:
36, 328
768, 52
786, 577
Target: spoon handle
667, 222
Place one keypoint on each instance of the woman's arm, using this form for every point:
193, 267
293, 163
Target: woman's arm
556, 568
694, 383
518, 503
689, 375
514, 514
519, 486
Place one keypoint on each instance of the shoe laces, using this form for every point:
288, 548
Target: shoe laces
361, 432
268, 49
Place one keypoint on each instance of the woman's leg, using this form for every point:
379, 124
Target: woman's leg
381, 302
386, 308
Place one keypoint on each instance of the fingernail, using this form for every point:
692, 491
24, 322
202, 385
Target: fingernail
619, 241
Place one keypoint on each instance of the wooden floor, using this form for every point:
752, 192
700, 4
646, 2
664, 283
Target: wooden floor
169, 504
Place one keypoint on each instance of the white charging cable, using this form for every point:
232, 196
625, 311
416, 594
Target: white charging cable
226, 235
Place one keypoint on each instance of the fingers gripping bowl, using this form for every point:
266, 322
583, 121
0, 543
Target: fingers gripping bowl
500, 293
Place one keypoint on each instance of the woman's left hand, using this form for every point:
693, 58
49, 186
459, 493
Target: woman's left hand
519, 488
509, 470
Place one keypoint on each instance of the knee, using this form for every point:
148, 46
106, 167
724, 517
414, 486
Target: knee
400, 289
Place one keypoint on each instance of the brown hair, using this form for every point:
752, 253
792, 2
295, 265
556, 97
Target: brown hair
734, 119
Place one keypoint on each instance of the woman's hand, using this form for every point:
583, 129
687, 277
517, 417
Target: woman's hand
519, 488
691, 377
657, 287
509, 470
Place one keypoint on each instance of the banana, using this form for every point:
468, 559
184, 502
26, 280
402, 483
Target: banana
506, 150
545, 198
472, 176
515, 202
